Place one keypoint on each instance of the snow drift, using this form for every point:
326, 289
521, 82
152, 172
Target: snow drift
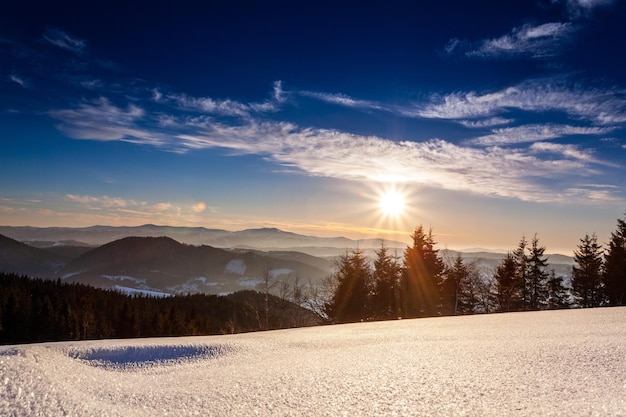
568, 362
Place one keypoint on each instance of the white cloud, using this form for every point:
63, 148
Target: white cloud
583, 8
65, 41
438, 163
100, 202
491, 121
224, 107
279, 93
101, 120
18, 80
533, 133
130, 207
199, 207
536, 41
570, 151
606, 106
495, 168
342, 100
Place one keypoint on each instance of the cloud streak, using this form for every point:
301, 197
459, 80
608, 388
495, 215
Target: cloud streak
534, 133
65, 41
599, 106
535, 41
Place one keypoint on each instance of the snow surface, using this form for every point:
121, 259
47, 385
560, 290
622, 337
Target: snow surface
281, 271
567, 363
133, 291
235, 266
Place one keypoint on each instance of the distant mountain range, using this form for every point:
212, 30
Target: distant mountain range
261, 239
163, 260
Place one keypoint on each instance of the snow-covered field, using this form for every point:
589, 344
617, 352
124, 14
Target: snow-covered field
568, 363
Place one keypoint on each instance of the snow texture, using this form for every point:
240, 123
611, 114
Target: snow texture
281, 271
133, 291
557, 363
235, 266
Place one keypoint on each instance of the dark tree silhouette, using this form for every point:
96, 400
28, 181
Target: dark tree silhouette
615, 266
351, 299
587, 286
422, 277
387, 275
537, 276
507, 284
558, 297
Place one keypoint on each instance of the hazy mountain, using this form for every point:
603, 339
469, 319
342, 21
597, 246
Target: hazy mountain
190, 259
23, 259
264, 239
163, 264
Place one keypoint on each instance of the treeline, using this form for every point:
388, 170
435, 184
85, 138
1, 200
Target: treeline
37, 310
420, 283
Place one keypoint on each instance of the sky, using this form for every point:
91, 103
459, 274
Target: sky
490, 122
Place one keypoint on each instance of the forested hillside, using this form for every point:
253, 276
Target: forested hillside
38, 310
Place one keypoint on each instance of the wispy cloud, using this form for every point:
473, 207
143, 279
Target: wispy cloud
602, 106
533, 133
493, 164
583, 8
133, 207
223, 107
492, 171
64, 40
101, 120
18, 80
488, 122
570, 151
343, 100
101, 202
536, 41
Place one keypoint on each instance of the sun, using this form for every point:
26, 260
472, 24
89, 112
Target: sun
392, 203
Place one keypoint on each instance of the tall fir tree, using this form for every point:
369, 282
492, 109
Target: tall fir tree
521, 273
614, 276
422, 277
387, 275
587, 286
558, 296
537, 276
351, 299
507, 284
455, 284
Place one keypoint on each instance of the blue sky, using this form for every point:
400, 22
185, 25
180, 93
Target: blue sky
494, 121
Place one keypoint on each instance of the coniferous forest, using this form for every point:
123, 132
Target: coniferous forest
419, 283
37, 310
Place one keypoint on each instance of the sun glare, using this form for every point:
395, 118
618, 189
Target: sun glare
392, 203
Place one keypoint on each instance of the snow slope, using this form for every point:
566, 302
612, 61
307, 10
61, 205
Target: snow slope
568, 363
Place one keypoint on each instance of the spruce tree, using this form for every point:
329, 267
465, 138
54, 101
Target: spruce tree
587, 286
422, 278
557, 293
387, 274
507, 284
350, 301
537, 276
521, 273
614, 276
456, 277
